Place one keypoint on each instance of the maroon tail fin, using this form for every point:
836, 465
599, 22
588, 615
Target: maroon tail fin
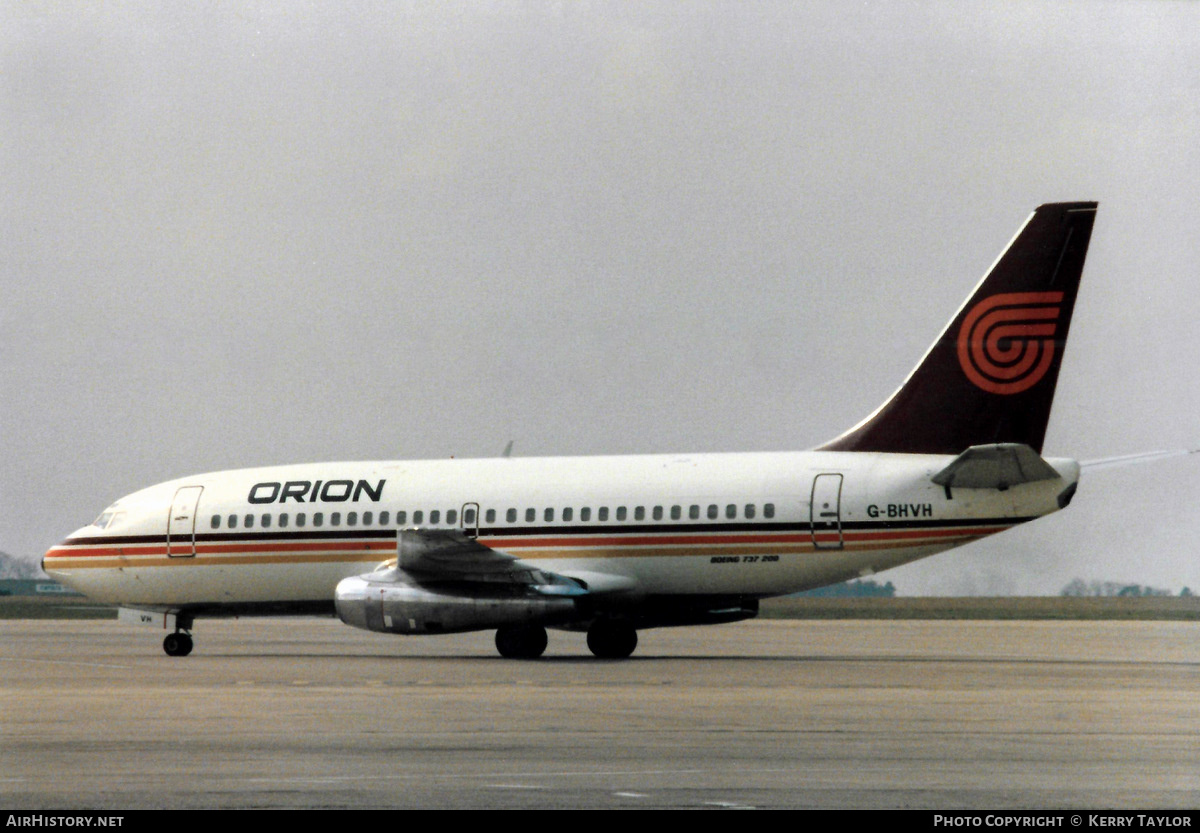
990, 376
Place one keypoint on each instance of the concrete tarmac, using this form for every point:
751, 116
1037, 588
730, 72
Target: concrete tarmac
307, 713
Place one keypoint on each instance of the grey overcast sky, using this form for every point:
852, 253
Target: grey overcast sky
241, 234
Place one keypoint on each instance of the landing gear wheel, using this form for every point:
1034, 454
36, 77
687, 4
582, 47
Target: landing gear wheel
521, 641
177, 644
611, 640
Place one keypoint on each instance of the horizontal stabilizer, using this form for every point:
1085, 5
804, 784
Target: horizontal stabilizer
995, 466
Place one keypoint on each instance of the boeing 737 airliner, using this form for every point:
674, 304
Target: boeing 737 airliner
610, 545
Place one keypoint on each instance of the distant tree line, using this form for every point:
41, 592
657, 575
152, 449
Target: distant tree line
1079, 587
857, 588
18, 568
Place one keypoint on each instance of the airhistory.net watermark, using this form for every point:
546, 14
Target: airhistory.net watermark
45, 820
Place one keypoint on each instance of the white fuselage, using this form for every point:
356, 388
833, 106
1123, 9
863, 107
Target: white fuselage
748, 524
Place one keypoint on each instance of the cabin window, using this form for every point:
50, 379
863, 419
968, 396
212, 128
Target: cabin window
511, 516
216, 521
490, 516
676, 512
639, 513
768, 510
568, 514
249, 521
585, 514
265, 521
401, 517
750, 510
435, 516
469, 517
282, 520
451, 516
318, 518
299, 519
603, 513
418, 516
548, 514
658, 513
384, 517
694, 512
731, 511
233, 521
530, 515
335, 519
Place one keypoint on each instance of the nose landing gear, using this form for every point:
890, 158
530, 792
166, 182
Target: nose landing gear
178, 644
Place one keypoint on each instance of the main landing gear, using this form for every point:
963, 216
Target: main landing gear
611, 640
178, 644
605, 638
521, 641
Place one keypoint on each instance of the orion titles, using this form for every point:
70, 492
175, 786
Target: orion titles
308, 491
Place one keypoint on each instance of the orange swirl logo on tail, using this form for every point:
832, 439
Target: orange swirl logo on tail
1006, 343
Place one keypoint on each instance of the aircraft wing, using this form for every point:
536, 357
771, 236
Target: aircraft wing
437, 555
449, 553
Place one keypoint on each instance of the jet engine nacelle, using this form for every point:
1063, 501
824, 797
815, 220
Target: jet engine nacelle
395, 605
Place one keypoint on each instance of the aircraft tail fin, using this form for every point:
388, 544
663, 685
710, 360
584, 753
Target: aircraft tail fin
990, 377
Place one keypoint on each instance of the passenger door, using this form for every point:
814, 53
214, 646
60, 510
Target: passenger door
181, 525
826, 512
470, 520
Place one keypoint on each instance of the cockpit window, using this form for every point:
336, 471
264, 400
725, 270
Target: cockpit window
109, 518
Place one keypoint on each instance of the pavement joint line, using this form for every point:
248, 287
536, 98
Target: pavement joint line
65, 662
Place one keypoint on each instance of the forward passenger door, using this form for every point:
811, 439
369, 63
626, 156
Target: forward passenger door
181, 525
